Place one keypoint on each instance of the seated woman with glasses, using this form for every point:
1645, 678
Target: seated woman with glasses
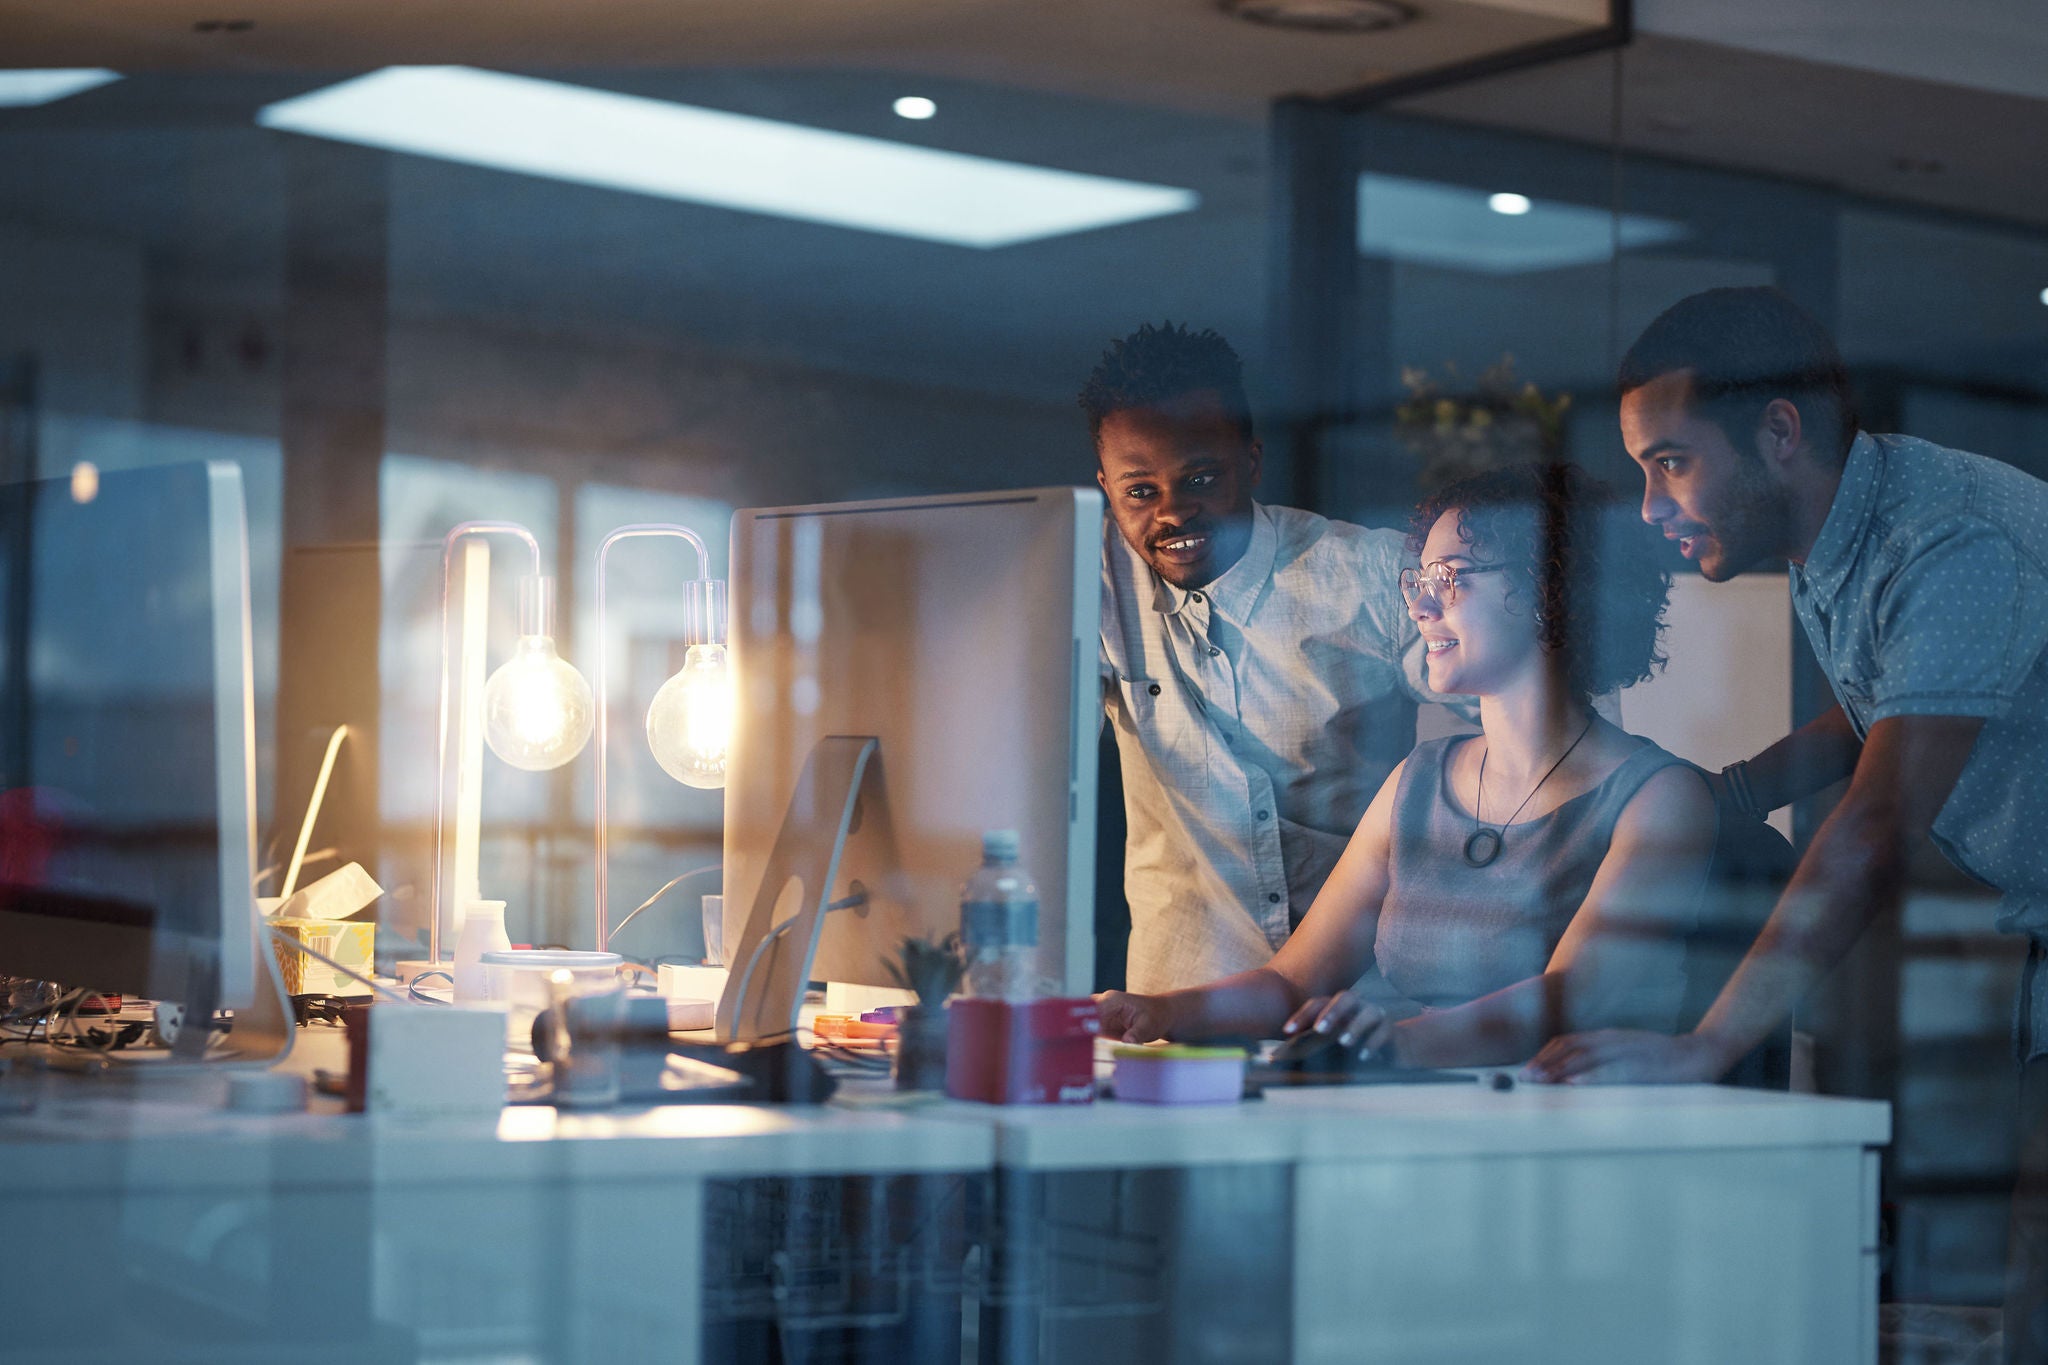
1535, 879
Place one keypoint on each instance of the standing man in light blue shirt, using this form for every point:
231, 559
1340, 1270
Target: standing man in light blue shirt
1921, 578
1259, 668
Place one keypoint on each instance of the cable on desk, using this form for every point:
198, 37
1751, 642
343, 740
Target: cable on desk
412, 988
673, 882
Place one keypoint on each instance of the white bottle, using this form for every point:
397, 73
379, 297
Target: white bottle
483, 931
999, 923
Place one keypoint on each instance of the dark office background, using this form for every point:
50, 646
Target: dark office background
388, 344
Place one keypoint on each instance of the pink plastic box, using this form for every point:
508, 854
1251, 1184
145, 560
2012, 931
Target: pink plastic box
1178, 1074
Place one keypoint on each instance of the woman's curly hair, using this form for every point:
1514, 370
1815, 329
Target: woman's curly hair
1584, 559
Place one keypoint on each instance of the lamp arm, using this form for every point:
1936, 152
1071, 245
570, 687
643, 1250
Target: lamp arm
457, 533
604, 550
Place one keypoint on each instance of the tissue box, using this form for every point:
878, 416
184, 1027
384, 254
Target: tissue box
1032, 1052
317, 916
352, 943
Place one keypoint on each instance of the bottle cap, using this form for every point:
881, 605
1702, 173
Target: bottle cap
999, 843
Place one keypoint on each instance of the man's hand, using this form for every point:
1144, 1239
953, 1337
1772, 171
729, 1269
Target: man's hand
1627, 1057
1134, 1018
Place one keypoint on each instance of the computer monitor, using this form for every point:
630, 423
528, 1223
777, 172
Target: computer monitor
959, 635
127, 784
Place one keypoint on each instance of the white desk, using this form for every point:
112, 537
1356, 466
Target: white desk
538, 1237
1437, 1223
1456, 1223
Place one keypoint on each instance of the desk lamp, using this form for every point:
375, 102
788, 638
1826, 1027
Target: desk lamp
534, 712
689, 723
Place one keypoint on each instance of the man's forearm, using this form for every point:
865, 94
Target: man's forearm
1252, 1004
1850, 875
1821, 752
1494, 1030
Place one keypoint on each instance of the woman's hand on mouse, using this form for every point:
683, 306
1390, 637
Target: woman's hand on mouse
1356, 1024
1134, 1018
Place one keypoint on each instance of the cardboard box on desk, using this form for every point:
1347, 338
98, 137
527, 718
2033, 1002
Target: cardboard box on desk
1033, 1052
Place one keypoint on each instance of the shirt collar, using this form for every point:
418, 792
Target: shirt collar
1236, 591
1834, 549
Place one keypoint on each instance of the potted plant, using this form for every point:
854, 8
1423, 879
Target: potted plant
1455, 428
931, 971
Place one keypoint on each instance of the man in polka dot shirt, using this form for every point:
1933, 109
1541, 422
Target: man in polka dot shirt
1921, 578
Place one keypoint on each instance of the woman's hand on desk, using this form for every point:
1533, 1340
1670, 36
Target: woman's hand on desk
1626, 1057
1355, 1023
1134, 1018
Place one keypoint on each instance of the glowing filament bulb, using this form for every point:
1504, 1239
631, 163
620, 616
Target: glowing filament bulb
537, 708
689, 724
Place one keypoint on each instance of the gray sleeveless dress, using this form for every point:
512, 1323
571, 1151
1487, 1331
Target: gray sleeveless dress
1450, 932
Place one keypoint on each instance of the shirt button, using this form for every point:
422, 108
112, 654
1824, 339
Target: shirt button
1194, 597
1153, 689
1213, 651
1262, 815
1272, 898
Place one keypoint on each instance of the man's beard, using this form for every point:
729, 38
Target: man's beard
1751, 525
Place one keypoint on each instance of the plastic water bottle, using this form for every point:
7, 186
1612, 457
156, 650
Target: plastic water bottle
483, 931
999, 923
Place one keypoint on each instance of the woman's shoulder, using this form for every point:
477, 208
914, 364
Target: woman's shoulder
1643, 764
1431, 755
1653, 783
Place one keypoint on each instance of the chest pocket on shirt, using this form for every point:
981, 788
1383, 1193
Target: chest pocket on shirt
1141, 702
1159, 716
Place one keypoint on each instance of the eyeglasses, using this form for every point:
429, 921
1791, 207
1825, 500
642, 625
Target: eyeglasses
1440, 580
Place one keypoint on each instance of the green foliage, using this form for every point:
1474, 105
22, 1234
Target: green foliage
1456, 429
933, 971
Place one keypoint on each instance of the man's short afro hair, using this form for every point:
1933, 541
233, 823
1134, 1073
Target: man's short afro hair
1155, 364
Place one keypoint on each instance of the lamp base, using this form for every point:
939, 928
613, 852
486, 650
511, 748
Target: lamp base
406, 971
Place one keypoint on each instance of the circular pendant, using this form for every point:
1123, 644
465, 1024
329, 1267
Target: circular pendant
1483, 847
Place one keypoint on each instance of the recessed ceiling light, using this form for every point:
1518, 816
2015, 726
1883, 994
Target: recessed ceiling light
707, 156
19, 89
1432, 223
915, 106
1513, 205
1322, 16
2044, 296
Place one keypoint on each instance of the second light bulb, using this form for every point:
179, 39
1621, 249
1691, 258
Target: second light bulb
689, 723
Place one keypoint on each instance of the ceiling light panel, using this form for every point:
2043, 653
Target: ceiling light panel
707, 156
19, 89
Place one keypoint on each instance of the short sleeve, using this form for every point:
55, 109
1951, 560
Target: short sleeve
1959, 626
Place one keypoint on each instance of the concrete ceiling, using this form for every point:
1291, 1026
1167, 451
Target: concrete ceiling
1186, 54
1889, 136
1995, 45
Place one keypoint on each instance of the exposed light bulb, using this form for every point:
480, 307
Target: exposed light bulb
537, 707
1509, 203
689, 724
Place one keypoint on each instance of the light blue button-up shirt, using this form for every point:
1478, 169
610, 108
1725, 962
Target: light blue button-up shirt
1255, 719
1926, 594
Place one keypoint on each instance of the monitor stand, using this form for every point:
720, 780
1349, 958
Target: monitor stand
771, 967
262, 1034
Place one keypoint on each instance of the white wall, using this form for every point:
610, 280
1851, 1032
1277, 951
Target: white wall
1727, 691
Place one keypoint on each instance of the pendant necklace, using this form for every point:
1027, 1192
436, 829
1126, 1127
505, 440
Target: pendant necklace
1484, 844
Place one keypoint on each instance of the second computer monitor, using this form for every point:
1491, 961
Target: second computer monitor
127, 789
960, 633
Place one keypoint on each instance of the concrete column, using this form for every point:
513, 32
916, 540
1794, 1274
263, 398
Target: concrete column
332, 429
